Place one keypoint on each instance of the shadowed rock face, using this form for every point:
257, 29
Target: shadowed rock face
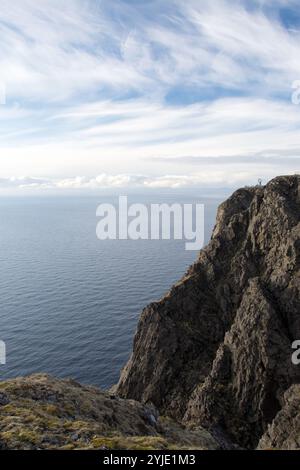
284, 432
217, 349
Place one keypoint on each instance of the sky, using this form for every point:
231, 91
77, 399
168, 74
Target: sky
148, 93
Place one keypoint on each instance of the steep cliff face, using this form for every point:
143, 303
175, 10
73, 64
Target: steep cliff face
216, 349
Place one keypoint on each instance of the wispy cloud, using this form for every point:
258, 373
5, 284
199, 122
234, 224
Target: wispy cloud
98, 87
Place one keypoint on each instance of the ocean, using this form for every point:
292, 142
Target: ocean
70, 302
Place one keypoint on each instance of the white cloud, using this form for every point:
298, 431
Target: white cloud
142, 134
102, 87
54, 50
204, 179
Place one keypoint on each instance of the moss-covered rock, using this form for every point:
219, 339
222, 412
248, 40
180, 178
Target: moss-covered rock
41, 412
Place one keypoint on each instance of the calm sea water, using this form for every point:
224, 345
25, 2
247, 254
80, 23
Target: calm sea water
69, 302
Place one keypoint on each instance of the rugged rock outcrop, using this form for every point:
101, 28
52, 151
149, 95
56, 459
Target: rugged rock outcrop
284, 432
216, 349
42, 412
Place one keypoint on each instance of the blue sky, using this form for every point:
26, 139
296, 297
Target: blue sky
147, 94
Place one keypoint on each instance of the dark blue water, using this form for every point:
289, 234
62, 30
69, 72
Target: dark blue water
69, 302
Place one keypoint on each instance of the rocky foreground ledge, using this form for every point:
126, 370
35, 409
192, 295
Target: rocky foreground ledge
211, 365
41, 412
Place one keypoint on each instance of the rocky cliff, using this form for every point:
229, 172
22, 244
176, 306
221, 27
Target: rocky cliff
211, 364
216, 350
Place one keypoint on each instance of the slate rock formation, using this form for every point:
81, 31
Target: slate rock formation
216, 350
